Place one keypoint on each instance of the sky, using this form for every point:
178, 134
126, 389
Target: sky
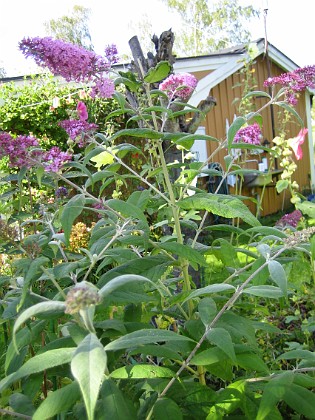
290, 25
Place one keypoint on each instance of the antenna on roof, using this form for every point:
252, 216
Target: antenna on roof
265, 10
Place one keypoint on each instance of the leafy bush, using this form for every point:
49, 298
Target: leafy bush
104, 321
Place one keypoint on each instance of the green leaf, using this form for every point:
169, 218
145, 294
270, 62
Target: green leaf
21, 404
307, 208
184, 251
142, 371
144, 133
209, 357
70, 212
298, 354
40, 308
158, 73
144, 336
274, 391
58, 402
281, 185
257, 93
301, 400
38, 364
114, 403
222, 339
22, 338
207, 309
212, 288
120, 281
278, 275
88, 366
166, 409
157, 350
222, 205
271, 292
233, 129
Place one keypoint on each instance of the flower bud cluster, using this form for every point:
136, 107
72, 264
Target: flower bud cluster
81, 297
299, 237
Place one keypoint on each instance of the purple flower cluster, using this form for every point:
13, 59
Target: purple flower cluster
25, 151
250, 135
111, 54
294, 82
103, 87
290, 219
72, 62
61, 192
54, 159
78, 130
180, 85
18, 149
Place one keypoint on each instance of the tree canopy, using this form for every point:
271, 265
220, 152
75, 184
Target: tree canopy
210, 25
72, 28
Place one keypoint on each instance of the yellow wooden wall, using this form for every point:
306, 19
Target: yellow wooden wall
225, 93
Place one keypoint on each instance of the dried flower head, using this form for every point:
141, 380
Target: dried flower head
299, 237
81, 297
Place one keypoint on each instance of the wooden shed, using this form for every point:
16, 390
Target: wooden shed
220, 75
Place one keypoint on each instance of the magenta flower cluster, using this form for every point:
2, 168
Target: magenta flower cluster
180, 85
25, 151
70, 61
250, 135
294, 82
54, 159
79, 130
290, 219
18, 150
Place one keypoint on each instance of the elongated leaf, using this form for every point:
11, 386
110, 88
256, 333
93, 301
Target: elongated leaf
256, 93
212, 288
158, 73
233, 129
298, 354
114, 403
158, 351
289, 108
222, 205
278, 275
58, 402
70, 212
142, 371
39, 363
184, 251
88, 366
40, 308
145, 336
301, 400
144, 133
166, 409
273, 393
207, 309
308, 208
23, 338
209, 357
271, 292
120, 281
21, 403
222, 339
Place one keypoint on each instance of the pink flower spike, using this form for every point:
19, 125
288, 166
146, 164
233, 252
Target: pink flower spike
296, 143
82, 111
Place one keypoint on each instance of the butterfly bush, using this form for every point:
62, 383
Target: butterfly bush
294, 82
72, 62
250, 135
180, 85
